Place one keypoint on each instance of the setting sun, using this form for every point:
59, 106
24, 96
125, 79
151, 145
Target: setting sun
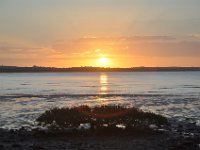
103, 62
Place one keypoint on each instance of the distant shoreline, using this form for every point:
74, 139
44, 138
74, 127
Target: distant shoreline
16, 69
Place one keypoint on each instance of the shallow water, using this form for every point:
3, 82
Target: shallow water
23, 96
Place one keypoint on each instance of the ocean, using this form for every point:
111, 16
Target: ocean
24, 96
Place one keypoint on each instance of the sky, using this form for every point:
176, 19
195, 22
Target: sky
105, 33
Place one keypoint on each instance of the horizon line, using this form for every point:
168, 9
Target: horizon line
101, 66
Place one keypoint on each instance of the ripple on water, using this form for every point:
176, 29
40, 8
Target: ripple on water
17, 111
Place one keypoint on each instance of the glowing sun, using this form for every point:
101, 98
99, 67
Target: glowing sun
103, 61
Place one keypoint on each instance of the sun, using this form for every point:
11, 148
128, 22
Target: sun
103, 61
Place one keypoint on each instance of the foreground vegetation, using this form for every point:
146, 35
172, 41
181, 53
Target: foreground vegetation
100, 117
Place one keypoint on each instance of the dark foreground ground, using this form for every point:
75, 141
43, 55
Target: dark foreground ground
180, 137
10, 141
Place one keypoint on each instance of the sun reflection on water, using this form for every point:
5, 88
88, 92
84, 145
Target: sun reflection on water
103, 84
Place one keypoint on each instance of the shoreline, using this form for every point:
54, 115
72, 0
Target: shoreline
180, 136
38, 69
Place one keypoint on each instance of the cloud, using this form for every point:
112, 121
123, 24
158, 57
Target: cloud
106, 44
18, 48
195, 35
162, 49
128, 38
89, 54
90, 48
152, 46
151, 38
22, 51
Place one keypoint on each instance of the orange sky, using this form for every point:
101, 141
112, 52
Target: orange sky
118, 52
126, 33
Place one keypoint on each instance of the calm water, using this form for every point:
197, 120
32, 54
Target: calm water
23, 96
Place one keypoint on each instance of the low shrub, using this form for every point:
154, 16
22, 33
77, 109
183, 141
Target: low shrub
100, 117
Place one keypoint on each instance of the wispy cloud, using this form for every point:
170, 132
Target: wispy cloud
128, 38
16, 48
195, 35
90, 48
154, 46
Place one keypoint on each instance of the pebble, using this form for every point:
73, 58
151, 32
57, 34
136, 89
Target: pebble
153, 126
162, 130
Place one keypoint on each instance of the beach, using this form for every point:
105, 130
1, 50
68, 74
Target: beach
12, 141
25, 96
99, 75
179, 139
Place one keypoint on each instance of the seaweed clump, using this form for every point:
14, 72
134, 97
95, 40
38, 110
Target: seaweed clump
101, 117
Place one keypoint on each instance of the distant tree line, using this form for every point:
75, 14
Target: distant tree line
93, 69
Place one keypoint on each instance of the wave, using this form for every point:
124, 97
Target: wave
88, 95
